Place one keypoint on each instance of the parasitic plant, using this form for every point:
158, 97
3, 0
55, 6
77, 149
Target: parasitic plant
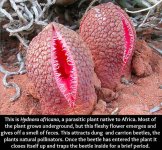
61, 68
110, 35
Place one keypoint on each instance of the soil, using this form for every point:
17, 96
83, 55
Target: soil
134, 97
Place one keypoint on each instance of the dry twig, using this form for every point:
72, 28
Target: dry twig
24, 15
29, 13
8, 74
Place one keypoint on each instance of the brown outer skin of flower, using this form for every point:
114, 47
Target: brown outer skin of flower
39, 69
105, 38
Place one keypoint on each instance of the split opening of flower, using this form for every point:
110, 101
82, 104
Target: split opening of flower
129, 38
64, 68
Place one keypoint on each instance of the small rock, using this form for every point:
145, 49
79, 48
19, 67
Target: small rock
31, 90
108, 95
100, 108
101, 105
141, 68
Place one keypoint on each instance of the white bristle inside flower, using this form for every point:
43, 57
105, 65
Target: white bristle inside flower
64, 69
128, 46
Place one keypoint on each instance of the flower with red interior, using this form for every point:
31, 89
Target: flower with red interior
110, 35
61, 68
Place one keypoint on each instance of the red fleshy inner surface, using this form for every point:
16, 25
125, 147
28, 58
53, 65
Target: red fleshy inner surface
127, 40
64, 68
